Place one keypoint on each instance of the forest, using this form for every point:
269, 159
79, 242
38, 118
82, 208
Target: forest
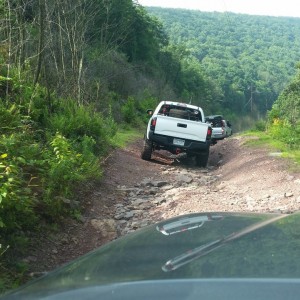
75, 73
250, 59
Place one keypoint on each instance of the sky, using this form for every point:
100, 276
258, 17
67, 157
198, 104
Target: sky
286, 8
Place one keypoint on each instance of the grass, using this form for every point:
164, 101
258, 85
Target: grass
125, 136
258, 138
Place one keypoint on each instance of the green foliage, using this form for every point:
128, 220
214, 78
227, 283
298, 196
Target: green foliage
5, 82
65, 169
65, 162
12, 270
264, 139
41, 169
260, 125
286, 133
45, 151
274, 113
9, 117
5, 278
235, 52
134, 112
243, 123
125, 136
284, 117
134, 32
145, 39
148, 102
129, 111
77, 122
288, 103
17, 201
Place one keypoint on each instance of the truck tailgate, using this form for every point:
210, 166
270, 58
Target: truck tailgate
217, 132
181, 128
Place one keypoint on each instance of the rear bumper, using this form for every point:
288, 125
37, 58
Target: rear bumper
166, 142
218, 136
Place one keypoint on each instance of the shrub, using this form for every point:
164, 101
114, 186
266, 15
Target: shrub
10, 118
260, 125
18, 155
128, 111
147, 103
65, 168
75, 122
134, 112
285, 132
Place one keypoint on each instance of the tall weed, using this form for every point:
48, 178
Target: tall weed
10, 118
134, 111
75, 122
16, 197
285, 132
66, 168
128, 111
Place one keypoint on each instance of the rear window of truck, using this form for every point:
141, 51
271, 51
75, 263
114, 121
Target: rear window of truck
180, 112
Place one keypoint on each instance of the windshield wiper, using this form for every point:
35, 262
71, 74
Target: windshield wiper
203, 250
190, 255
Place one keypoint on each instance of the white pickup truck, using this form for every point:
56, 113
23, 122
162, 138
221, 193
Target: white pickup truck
178, 128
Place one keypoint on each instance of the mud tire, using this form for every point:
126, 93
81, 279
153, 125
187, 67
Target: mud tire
202, 159
147, 150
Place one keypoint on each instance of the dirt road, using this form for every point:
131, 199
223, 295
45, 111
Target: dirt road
134, 193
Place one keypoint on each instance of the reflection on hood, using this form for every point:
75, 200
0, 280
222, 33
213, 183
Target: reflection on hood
186, 223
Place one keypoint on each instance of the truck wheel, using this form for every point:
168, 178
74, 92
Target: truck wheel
147, 150
202, 159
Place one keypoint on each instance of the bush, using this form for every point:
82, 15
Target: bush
134, 111
10, 118
260, 125
128, 111
66, 167
75, 122
147, 103
16, 199
46, 149
285, 132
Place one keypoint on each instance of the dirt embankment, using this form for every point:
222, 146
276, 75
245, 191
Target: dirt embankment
238, 178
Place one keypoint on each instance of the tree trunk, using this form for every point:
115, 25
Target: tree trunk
41, 41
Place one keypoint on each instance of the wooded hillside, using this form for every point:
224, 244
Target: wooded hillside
250, 59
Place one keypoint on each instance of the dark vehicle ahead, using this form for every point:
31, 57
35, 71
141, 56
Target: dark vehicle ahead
198, 256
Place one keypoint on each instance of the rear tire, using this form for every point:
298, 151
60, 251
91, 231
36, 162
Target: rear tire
147, 150
202, 159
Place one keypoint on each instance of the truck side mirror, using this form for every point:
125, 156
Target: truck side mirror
150, 112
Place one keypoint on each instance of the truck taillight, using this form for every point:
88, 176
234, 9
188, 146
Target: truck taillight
153, 123
209, 133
